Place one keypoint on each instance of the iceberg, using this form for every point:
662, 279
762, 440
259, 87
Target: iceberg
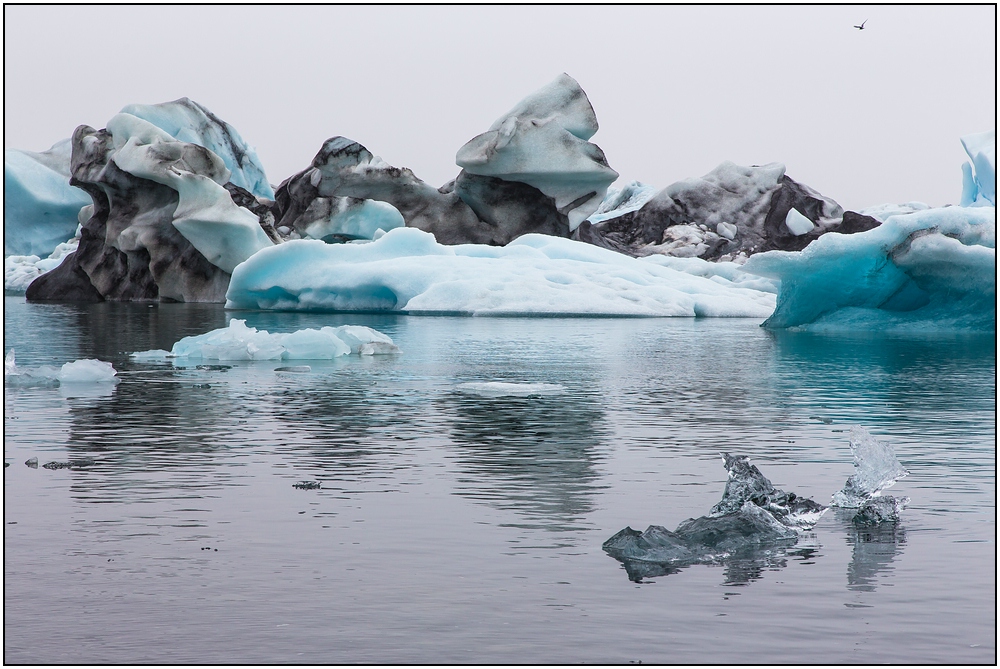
40, 207
542, 142
979, 178
753, 520
225, 233
407, 271
875, 469
931, 269
240, 342
187, 121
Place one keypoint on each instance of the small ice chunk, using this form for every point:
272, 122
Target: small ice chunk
88, 371
747, 484
875, 469
294, 369
155, 354
504, 389
798, 224
727, 230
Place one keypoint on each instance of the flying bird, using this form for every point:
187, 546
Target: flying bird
862, 26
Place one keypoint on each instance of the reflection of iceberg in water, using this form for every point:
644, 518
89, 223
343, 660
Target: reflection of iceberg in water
749, 531
875, 549
534, 454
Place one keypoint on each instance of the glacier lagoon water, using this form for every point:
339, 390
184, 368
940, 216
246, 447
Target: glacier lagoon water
460, 526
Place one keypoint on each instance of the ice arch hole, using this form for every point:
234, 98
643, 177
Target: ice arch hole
908, 298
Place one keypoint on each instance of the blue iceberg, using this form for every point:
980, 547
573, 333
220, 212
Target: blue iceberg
40, 208
931, 269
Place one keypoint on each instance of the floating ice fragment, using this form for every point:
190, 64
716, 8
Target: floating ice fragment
240, 342
752, 518
88, 371
505, 389
294, 369
875, 469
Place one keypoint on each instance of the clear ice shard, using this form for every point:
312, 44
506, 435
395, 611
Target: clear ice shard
747, 484
881, 509
875, 469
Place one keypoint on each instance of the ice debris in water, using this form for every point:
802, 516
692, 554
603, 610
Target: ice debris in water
505, 389
78, 371
875, 469
239, 342
752, 517
746, 483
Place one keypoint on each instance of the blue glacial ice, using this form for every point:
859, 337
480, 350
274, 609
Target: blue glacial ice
979, 178
930, 269
40, 208
187, 121
206, 215
240, 342
406, 270
542, 142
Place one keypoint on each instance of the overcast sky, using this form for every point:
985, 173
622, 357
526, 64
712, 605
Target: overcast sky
865, 117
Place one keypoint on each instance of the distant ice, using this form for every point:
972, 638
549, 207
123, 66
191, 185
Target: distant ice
406, 270
239, 342
979, 182
506, 389
798, 224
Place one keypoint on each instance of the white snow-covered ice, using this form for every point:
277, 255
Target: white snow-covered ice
240, 342
20, 271
406, 270
620, 201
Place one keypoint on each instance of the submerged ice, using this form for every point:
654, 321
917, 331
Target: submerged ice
240, 342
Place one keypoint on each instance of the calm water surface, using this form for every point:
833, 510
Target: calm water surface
452, 527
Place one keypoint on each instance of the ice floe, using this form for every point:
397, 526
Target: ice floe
406, 270
240, 342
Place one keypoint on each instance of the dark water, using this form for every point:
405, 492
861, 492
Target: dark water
451, 527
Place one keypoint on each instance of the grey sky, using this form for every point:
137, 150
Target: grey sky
864, 117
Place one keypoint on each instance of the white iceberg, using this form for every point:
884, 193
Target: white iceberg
240, 342
87, 371
406, 270
20, 271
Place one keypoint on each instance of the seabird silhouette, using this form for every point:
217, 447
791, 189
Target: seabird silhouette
862, 26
